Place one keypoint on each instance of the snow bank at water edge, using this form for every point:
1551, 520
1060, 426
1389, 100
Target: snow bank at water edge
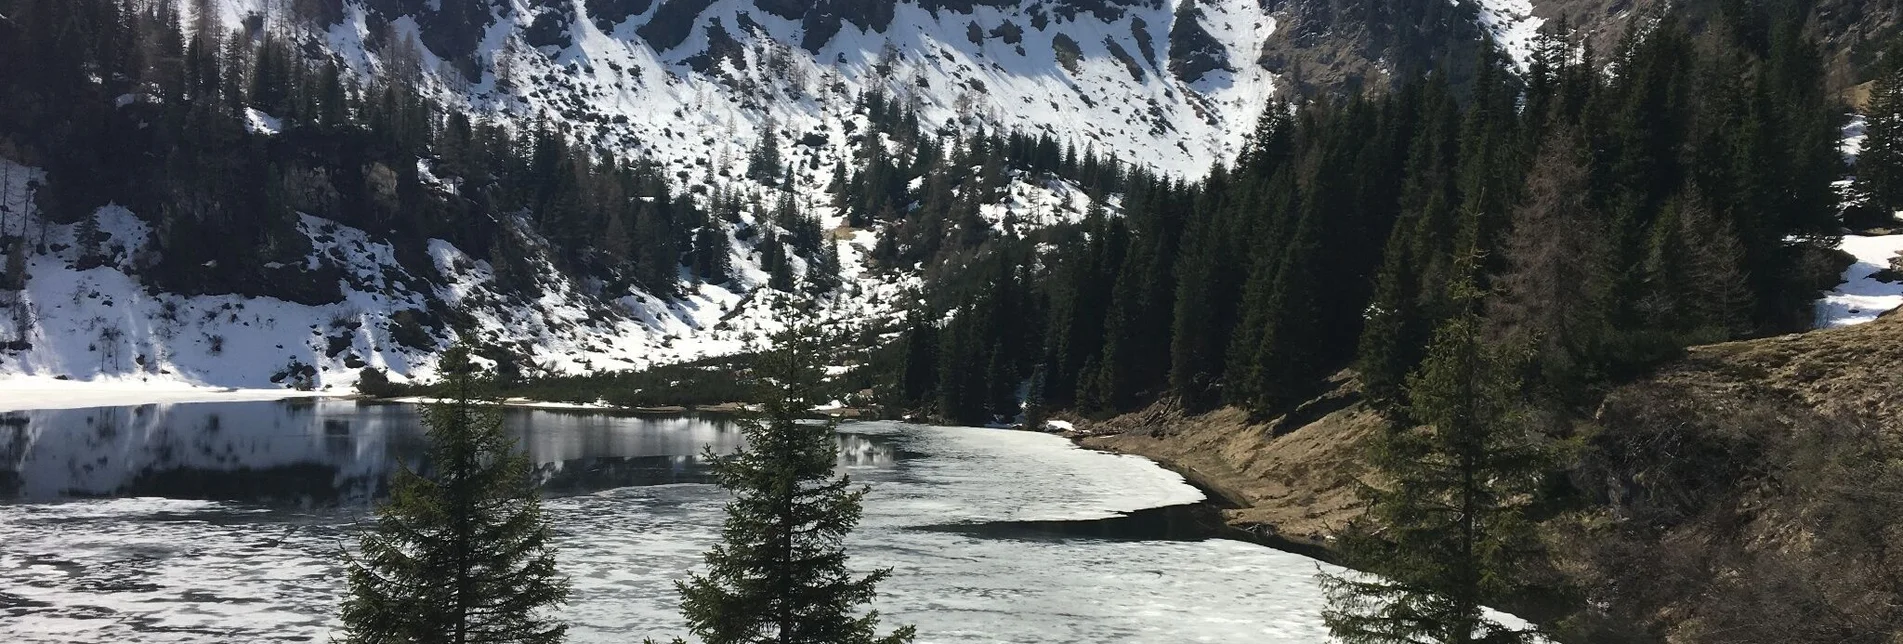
21, 393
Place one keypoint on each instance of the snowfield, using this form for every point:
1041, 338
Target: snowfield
21, 393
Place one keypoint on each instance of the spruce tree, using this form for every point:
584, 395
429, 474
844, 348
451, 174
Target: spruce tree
86, 235
1385, 353
822, 274
918, 379
764, 163
1696, 283
461, 554
779, 575
1445, 527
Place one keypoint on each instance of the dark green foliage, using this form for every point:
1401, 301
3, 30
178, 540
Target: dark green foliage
918, 378
706, 382
1617, 218
779, 575
461, 553
985, 350
1445, 530
822, 271
1208, 282
763, 163
1880, 163
1695, 274
372, 382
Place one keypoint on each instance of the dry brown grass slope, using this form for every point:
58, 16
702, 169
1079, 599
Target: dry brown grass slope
1747, 492
1289, 479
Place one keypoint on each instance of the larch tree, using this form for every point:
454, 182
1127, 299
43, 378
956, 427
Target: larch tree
1550, 293
460, 554
779, 574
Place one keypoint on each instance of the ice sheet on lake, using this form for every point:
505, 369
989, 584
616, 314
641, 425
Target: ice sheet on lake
1008, 475
182, 571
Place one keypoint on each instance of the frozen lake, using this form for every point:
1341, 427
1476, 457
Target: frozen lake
222, 522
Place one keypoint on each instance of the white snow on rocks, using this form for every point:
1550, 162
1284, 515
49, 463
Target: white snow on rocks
1513, 26
102, 324
261, 122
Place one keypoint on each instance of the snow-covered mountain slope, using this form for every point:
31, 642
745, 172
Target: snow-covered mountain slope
99, 322
693, 85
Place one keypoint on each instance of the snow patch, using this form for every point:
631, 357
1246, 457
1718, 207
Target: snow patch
1862, 297
1850, 143
259, 122
1513, 26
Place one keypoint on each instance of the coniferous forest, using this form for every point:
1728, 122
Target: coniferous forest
164, 132
1684, 199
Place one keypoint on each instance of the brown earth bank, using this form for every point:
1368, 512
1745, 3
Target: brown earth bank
1746, 492
1285, 480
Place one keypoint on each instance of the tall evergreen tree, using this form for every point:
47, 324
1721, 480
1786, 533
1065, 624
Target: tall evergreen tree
779, 576
1880, 163
461, 554
1445, 529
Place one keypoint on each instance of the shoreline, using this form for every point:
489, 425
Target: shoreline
1290, 488
37, 393
1224, 500
33, 393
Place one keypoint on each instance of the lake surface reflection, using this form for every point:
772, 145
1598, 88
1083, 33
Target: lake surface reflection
329, 452
225, 522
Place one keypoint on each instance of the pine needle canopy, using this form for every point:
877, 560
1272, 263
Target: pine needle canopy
780, 575
460, 554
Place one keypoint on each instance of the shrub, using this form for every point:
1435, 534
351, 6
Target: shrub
372, 382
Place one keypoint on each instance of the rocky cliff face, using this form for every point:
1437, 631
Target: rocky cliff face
1169, 85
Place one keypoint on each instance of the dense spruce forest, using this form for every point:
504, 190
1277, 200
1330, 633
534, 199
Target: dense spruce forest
1683, 198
